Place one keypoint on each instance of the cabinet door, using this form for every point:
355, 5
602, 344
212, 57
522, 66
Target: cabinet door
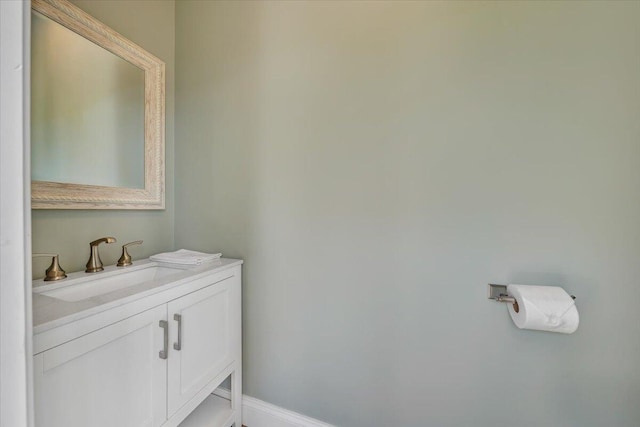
204, 331
111, 377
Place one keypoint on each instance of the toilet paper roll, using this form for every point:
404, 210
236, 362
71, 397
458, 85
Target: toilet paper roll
543, 308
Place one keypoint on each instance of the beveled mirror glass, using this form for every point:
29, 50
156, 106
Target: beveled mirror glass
97, 113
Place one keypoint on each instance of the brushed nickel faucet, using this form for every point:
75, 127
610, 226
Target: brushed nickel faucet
95, 263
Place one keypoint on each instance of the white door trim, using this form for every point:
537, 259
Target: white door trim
16, 401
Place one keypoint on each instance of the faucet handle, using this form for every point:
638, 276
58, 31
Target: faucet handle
54, 272
125, 258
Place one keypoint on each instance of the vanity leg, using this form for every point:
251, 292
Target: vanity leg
236, 396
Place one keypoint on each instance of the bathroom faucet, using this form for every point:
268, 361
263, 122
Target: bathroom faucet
95, 263
125, 259
54, 272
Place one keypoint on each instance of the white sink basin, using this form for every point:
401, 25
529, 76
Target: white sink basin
95, 284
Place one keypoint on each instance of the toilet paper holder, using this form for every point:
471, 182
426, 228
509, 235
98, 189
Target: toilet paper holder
499, 293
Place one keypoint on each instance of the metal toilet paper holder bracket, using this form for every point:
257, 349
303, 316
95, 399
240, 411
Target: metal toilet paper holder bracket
499, 293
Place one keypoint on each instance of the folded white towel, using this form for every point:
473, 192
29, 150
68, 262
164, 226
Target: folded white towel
185, 257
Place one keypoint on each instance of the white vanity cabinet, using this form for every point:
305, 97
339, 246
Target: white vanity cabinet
110, 377
150, 362
203, 325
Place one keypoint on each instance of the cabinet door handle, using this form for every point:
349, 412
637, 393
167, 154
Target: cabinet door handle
165, 325
178, 345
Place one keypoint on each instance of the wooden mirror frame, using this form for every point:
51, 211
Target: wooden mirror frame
55, 195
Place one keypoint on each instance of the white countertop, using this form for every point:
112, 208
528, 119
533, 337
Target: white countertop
51, 312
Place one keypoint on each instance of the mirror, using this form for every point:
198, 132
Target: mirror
84, 96
97, 115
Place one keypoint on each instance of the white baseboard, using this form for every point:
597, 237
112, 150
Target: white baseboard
257, 413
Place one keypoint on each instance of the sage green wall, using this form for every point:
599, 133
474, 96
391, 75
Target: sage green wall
376, 164
150, 24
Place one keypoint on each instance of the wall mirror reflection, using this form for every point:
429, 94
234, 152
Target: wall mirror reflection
97, 115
